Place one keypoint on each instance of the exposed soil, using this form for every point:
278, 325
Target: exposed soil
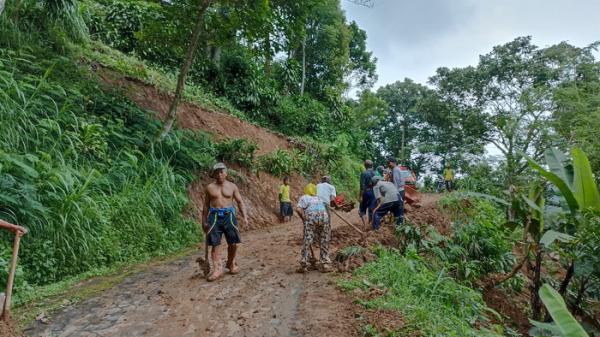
508, 307
6, 330
266, 299
191, 116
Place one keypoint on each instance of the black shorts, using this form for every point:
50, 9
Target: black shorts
222, 222
285, 208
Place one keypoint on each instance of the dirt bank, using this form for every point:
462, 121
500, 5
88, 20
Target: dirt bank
191, 116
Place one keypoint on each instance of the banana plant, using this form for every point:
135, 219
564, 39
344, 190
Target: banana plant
565, 325
577, 186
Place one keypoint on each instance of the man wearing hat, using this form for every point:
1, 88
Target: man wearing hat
220, 218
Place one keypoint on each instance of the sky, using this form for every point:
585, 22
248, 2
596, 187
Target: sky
412, 38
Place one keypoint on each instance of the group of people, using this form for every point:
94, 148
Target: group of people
381, 192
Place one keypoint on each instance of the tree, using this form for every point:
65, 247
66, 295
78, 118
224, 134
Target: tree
185, 68
362, 63
510, 89
403, 120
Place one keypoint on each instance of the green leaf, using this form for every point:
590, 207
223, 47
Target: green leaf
543, 329
484, 196
584, 186
558, 164
551, 236
566, 323
564, 188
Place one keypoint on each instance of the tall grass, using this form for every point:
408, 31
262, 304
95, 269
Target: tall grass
79, 169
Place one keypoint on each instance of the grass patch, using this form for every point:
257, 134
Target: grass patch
432, 302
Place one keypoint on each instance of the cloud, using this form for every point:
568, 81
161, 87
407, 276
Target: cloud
413, 38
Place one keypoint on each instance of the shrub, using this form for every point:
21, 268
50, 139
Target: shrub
277, 163
240, 151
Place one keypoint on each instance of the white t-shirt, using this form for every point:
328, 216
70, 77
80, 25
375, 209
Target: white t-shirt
325, 192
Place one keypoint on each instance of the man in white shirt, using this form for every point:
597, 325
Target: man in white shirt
326, 191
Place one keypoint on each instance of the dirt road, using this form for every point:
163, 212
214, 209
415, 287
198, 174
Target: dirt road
266, 299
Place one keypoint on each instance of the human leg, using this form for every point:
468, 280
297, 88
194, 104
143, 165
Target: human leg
217, 267
400, 212
308, 237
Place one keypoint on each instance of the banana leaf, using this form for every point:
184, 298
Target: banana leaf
566, 323
584, 186
558, 164
562, 185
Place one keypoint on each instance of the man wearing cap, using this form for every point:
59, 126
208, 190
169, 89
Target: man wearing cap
398, 179
220, 218
386, 194
366, 197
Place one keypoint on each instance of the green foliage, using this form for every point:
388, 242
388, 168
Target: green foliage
480, 243
78, 168
240, 151
430, 300
277, 163
565, 323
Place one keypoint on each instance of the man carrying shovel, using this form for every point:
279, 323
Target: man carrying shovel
219, 217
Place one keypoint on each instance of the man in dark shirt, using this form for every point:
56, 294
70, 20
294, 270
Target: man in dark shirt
366, 196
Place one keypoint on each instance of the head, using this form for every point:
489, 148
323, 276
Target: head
392, 162
447, 165
368, 164
310, 189
286, 180
375, 180
219, 172
326, 179
380, 169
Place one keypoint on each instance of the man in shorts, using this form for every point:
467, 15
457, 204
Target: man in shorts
220, 218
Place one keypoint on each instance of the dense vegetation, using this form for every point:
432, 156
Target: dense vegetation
84, 169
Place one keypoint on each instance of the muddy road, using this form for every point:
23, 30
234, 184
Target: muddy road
267, 298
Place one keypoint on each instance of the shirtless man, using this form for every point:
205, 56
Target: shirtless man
219, 215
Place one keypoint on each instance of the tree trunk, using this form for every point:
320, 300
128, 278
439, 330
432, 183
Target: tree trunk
303, 66
185, 68
577, 305
267, 54
565, 283
536, 303
525, 258
1, 6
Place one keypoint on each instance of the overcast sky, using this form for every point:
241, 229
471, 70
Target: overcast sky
412, 38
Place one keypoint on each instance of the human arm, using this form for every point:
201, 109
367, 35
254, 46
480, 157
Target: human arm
13, 228
238, 198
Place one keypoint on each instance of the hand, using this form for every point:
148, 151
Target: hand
246, 222
205, 227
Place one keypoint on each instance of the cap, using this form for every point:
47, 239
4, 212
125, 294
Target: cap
219, 166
